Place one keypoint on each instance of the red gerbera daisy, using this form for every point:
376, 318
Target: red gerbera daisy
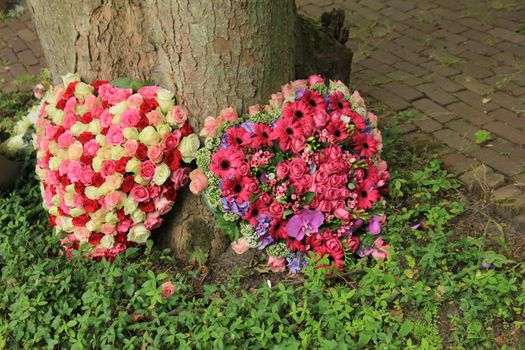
337, 128
237, 187
238, 137
300, 112
226, 161
256, 208
357, 120
286, 131
338, 104
314, 101
365, 144
261, 134
366, 195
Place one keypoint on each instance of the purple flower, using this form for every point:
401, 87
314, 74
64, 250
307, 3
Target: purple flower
234, 207
264, 178
263, 231
224, 141
248, 126
296, 262
306, 223
374, 227
487, 266
299, 93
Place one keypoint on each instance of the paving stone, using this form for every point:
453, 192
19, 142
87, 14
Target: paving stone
463, 128
507, 35
476, 101
393, 101
447, 84
27, 58
506, 193
506, 131
505, 165
437, 94
458, 163
26, 35
406, 92
456, 141
482, 178
433, 110
407, 128
474, 85
428, 125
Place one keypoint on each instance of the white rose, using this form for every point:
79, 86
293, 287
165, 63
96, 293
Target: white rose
111, 218
165, 100
130, 206
53, 211
138, 234
140, 180
162, 172
78, 128
131, 133
149, 136
97, 163
117, 152
15, 143
93, 225
107, 242
70, 77
76, 212
101, 140
163, 129
188, 147
82, 90
94, 127
117, 109
54, 163
92, 192
133, 166
138, 216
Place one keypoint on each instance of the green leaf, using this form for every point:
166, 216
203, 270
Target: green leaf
122, 82
406, 328
287, 212
308, 197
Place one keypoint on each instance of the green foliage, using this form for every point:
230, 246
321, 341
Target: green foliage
432, 293
482, 136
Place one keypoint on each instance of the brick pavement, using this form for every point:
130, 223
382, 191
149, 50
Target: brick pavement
459, 66
20, 51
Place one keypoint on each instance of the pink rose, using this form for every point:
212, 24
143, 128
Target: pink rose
276, 210
105, 119
129, 118
51, 178
228, 114
252, 110
325, 206
199, 181
113, 94
356, 97
162, 205
108, 168
148, 91
124, 225
108, 229
50, 131
172, 140
87, 176
180, 177
135, 100
297, 168
321, 118
154, 191
147, 169
66, 139
179, 115
315, 79
155, 117
90, 102
210, 126
98, 251
168, 289
39, 91
155, 153
382, 166
153, 220
113, 199
114, 136
276, 100
276, 264
244, 169
282, 170
240, 246
139, 193
130, 147
343, 214
74, 170
91, 147
372, 117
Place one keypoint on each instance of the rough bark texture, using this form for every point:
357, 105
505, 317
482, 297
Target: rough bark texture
212, 54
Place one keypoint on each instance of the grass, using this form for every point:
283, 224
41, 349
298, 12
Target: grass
445, 285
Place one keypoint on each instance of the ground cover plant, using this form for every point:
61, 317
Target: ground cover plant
440, 288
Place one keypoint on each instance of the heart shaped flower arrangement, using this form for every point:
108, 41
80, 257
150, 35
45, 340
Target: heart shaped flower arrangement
302, 174
110, 162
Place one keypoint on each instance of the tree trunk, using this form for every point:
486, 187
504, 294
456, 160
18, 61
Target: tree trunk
212, 54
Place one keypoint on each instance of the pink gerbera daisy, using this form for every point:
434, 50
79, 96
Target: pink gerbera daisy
337, 128
262, 133
256, 208
286, 131
338, 104
238, 137
314, 101
226, 161
366, 195
365, 144
237, 187
357, 120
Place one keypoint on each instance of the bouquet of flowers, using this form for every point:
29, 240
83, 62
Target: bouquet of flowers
301, 175
110, 161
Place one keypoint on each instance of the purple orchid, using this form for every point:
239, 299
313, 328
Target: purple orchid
307, 222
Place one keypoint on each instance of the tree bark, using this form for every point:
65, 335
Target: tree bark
212, 54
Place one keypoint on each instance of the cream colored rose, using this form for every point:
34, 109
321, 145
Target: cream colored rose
75, 151
162, 172
76, 212
114, 181
140, 180
117, 152
117, 109
94, 127
53, 147
83, 89
92, 192
53, 211
138, 234
163, 129
101, 140
97, 163
78, 128
111, 218
165, 100
93, 225
138, 216
54, 163
107, 242
188, 147
149, 136
80, 109
69, 199
131, 133
133, 166
69, 78
130, 205
57, 116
